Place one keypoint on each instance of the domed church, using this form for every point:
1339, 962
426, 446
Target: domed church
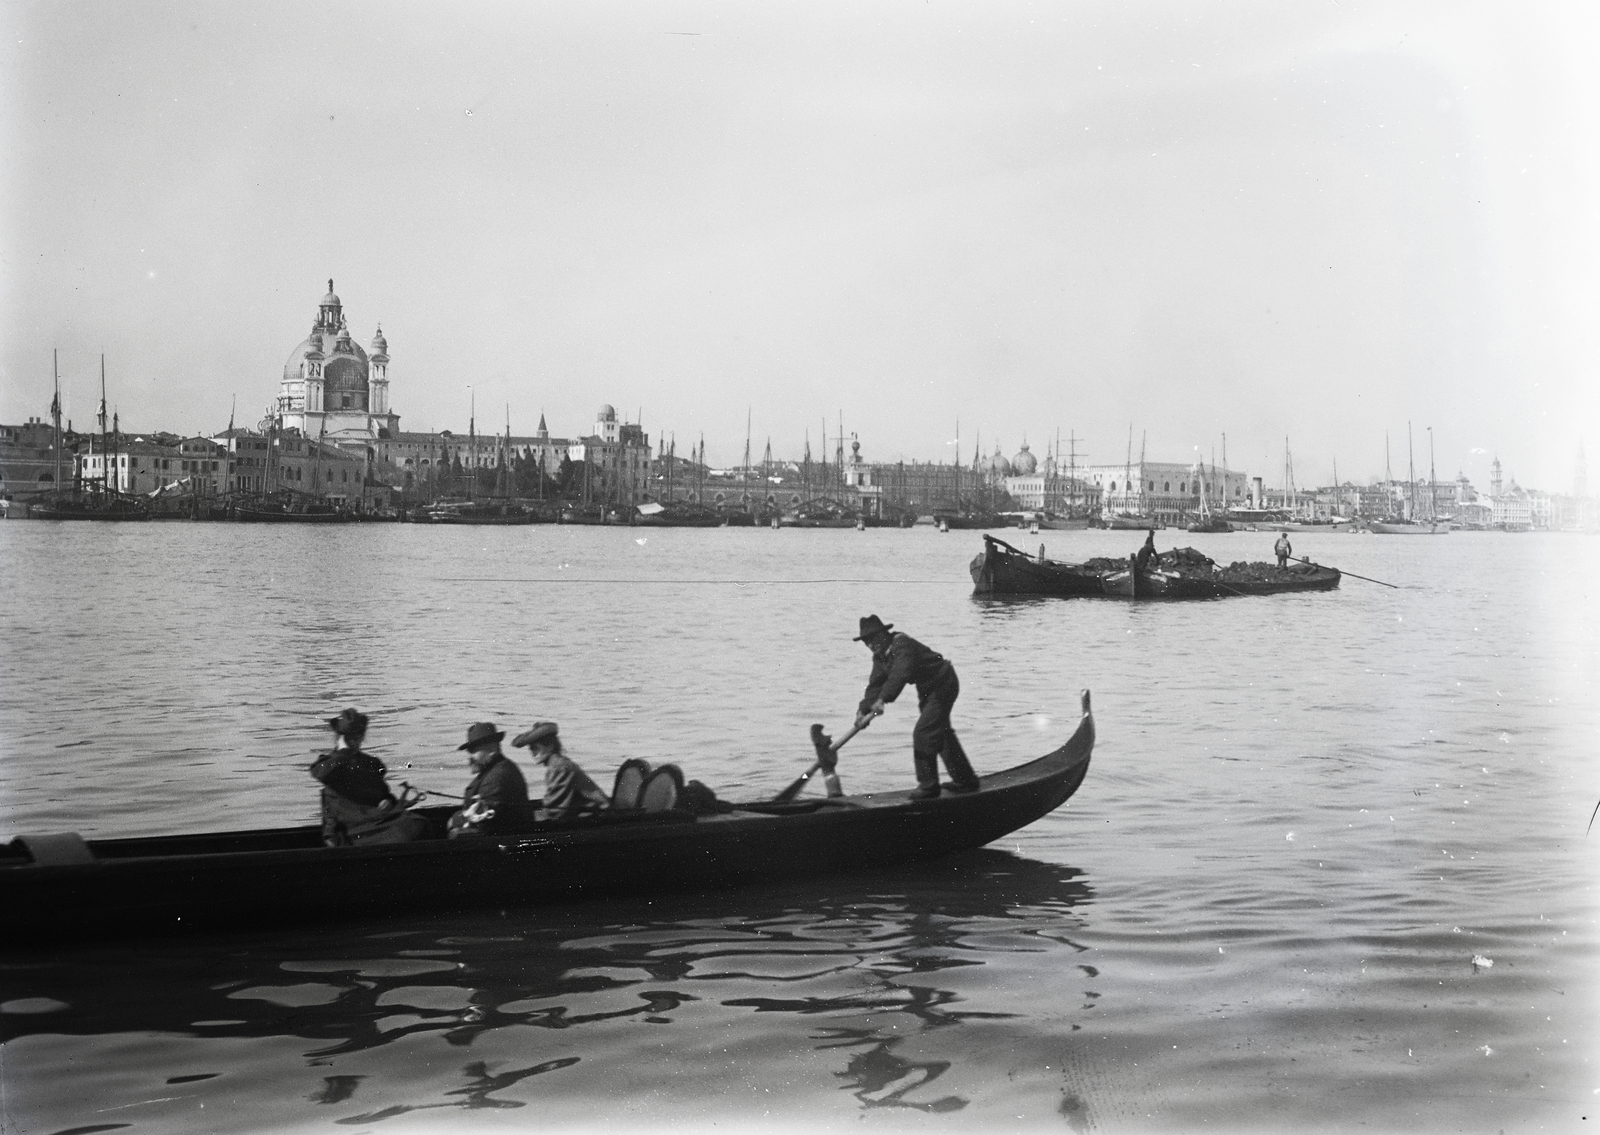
334, 389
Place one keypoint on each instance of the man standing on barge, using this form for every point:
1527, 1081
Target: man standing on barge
899, 660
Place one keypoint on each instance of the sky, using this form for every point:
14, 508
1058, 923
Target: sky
1307, 228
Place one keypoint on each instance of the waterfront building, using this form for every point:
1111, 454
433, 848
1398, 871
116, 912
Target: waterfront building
143, 465
334, 389
28, 458
1468, 509
1165, 491
618, 453
1512, 508
248, 458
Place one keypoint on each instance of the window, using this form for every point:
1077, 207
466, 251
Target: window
1166, 486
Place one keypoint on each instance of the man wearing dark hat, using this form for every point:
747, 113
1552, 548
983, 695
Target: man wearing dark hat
899, 660
357, 804
568, 791
497, 796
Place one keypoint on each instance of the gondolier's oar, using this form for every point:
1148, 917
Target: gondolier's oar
1351, 574
827, 758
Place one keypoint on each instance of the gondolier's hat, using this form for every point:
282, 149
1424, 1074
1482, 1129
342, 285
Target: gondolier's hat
481, 734
349, 721
540, 731
872, 625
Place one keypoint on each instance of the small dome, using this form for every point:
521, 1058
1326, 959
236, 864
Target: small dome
998, 465
380, 345
330, 300
606, 414
1024, 464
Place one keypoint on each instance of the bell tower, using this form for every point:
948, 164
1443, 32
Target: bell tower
378, 380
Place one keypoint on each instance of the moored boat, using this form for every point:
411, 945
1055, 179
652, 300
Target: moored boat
1397, 526
676, 514
1127, 522
492, 513
87, 506
946, 519
55, 886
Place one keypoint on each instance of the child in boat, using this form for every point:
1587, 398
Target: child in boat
568, 791
357, 804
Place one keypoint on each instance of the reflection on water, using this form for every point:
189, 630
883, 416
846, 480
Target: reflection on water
858, 970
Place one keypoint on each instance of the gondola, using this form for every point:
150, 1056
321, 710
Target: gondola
64, 887
1179, 574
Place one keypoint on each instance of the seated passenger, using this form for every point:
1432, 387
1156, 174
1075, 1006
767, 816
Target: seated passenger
497, 797
568, 791
357, 804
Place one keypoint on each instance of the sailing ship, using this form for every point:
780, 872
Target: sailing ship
1408, 523
95, 500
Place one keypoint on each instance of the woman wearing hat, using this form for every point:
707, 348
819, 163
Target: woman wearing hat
899, 660
497, 796
568, 791
357, 805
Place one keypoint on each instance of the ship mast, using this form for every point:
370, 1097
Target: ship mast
55, 417
1127, 468
1144, 507
105, 452
958, 465
1432, 496
1411, 476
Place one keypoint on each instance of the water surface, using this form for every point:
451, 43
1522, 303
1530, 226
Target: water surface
1329, 870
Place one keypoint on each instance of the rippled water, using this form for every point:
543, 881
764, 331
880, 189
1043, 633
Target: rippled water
1307, 816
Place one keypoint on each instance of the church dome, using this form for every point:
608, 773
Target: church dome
1024, 464
998, 465
344, 357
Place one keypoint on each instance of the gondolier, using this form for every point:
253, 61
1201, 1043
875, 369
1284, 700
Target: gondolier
1147, 551
1283, 549
899, 660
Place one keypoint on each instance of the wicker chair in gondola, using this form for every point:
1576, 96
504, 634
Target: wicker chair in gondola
661, 789
630, 779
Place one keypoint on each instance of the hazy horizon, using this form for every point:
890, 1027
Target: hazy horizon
1305, 224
